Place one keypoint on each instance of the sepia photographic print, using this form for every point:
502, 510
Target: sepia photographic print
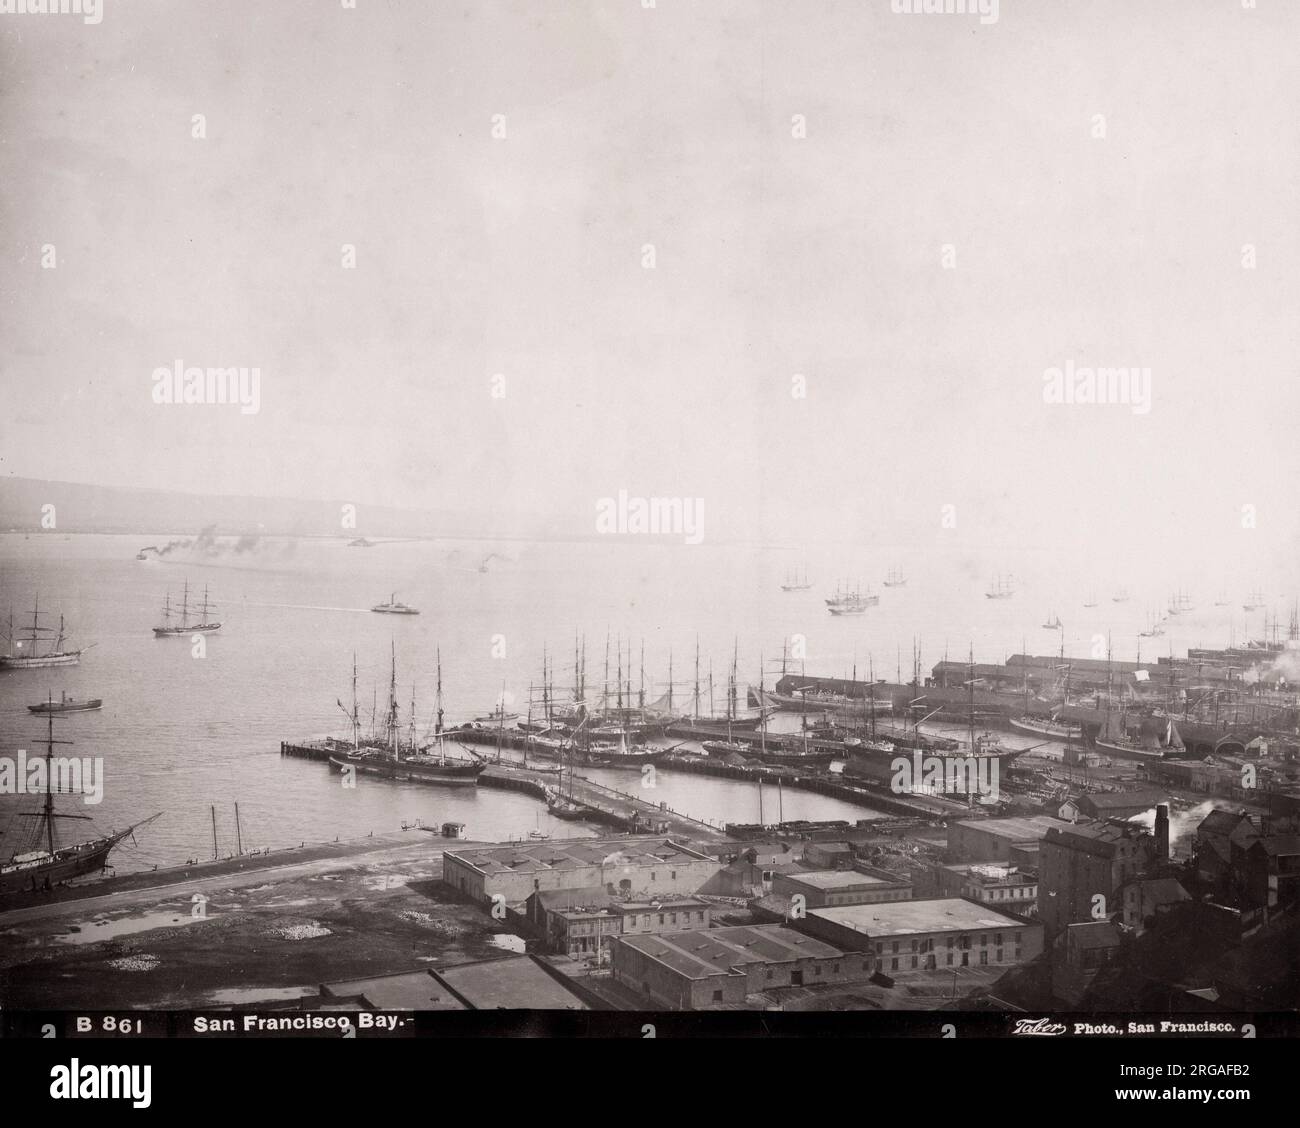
635, 518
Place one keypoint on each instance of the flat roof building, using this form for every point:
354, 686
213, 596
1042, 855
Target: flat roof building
820, 888
723, 966
927, 935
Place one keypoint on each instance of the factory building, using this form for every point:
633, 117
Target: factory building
928, 935
695, 970
1080, 863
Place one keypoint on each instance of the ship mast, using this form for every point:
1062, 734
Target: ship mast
697, 678
437, 724
392, 703
356, 721
185, 605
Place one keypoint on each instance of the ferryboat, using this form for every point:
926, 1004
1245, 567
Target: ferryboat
393, 607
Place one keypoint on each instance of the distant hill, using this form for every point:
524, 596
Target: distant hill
109, 509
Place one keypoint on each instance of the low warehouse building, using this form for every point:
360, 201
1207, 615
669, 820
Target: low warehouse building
928, 935
618, 865
694, 970
820, 888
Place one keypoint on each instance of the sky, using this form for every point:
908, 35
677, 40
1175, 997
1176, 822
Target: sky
1094, 169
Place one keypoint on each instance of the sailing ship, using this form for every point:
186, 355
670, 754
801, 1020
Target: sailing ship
1254, 601
1001, 588
65, 704
1115, 740
1051, 727
850, 602
32, 657
392, 607
43, 863
1180, 604
895, 578
1091, 601
1223, 600
185, 627
1120, 596
497, 716
795, 582
412, 760
1154, 628
1053, 623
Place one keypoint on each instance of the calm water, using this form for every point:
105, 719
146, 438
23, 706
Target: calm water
180, 734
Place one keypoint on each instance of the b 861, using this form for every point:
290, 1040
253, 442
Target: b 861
110, 1025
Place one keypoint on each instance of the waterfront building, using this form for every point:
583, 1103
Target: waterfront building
618, 865
582, 923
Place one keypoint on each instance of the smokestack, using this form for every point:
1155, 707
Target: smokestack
1162, 833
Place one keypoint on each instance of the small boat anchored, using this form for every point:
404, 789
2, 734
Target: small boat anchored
66, 704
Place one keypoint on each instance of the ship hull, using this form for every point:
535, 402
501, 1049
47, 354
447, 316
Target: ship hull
65, 707
412, 771
1039, 728
18, 662
178, 632
1120, 752
70, 862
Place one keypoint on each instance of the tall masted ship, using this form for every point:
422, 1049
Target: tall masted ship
413, 760
25, 649
203, 625
41, 862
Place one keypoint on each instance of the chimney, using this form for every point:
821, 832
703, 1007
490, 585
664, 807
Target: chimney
1162, 833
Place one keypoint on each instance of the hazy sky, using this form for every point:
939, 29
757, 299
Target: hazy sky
774, 255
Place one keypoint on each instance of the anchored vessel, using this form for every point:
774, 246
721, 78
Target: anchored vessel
895, 578
65, 704
850, 602
27, 647
411, 760
44, 863
1001, 588
185, 627
392, 607
796, 582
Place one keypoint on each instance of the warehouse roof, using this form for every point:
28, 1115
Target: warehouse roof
901, 918
716, 951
